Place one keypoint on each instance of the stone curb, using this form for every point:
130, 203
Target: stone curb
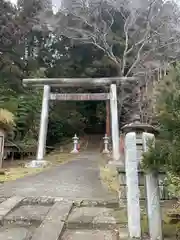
38, 200
46, 200
91, 226
98, 203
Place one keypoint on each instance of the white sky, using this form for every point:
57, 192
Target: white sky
55, 2
15, 1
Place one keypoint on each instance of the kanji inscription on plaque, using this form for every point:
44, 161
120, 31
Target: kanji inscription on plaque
79, 96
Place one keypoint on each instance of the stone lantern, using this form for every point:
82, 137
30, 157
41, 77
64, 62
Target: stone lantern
139, 128
75, 142
106, 142
140, 184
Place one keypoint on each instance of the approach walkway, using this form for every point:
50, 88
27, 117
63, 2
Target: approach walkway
76, 179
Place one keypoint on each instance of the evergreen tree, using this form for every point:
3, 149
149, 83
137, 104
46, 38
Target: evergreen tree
166, 153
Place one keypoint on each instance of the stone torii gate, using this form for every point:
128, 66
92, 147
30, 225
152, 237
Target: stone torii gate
76, 82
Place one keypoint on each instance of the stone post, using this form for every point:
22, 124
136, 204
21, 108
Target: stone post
75, 142
132, 127
153, 198
39, 162
114, 122
131, 168
106, 141
2, 137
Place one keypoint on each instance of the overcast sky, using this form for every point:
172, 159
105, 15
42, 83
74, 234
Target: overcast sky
13, 1
58, 2
55, 2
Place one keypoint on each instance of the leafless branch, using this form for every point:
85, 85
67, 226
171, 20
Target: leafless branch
138, 54
149, 33
141, 42
126, 28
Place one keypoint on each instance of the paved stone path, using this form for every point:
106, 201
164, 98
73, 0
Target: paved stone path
75, 179
23, 219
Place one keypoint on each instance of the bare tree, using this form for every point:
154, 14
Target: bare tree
151, 32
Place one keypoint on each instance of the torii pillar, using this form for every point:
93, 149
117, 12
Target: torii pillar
108, 130
114, 123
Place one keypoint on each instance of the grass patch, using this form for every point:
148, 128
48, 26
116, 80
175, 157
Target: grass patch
169, 230
108, 176
17, 169
171, 227
120, 215
18, 172
57, 158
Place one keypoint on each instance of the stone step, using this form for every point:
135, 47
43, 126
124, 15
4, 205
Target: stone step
25, 233
27, 213
90, 235
59, 219
94, 217
95, 234
94, 223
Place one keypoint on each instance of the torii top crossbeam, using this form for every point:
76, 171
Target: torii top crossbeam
75, 82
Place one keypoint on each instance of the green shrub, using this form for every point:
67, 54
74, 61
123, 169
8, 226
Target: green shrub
165, 154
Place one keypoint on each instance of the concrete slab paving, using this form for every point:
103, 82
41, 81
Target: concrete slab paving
89, 235
29, 212
3, 198
15, 233
61, 220
53, 225
8, 205
91, 215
